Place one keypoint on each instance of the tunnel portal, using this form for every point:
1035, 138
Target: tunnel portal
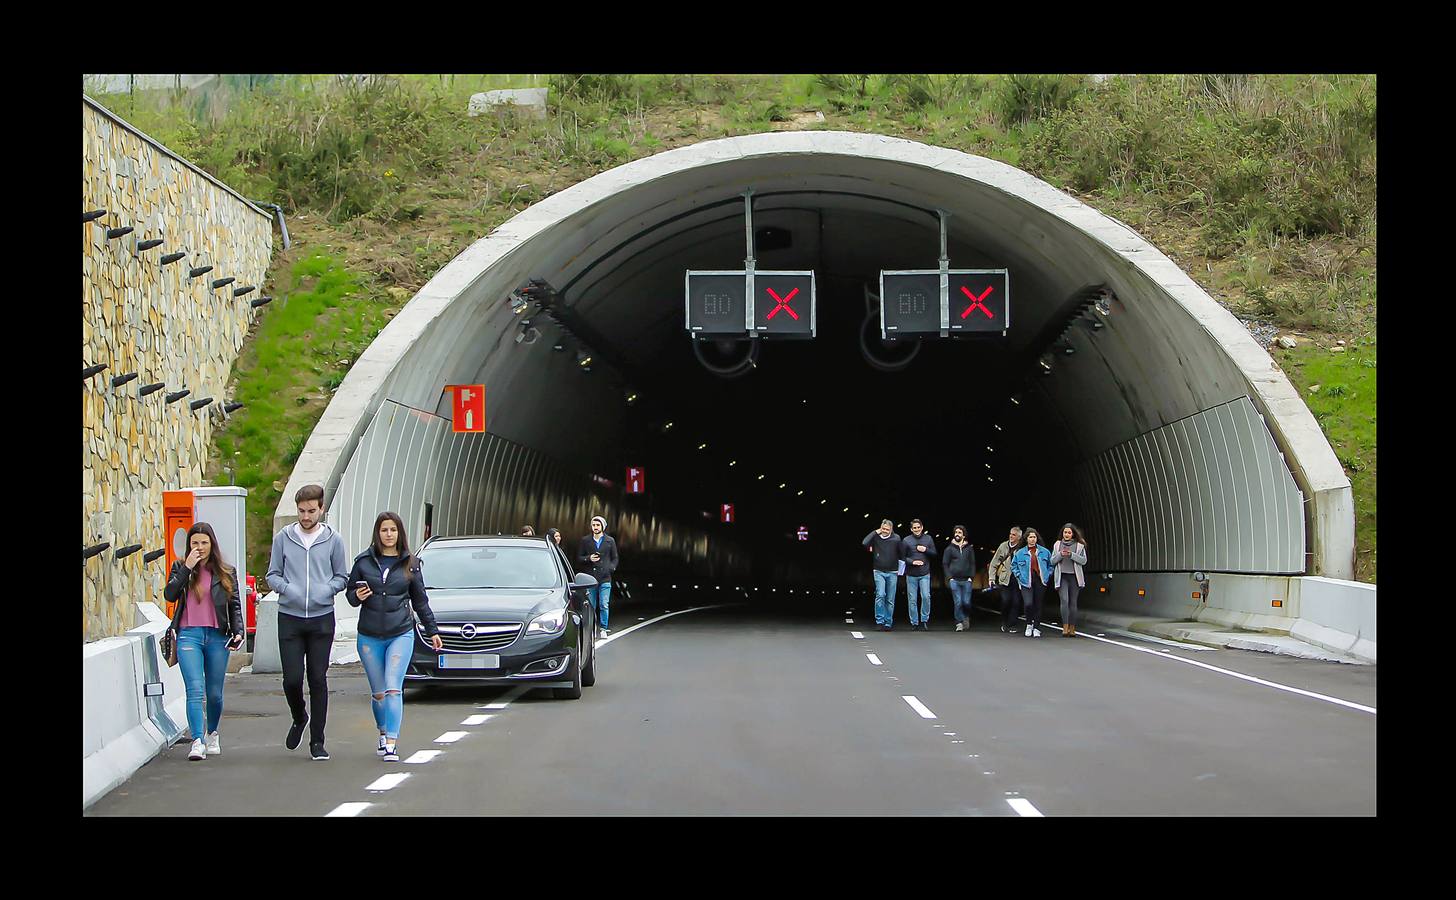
1122, 397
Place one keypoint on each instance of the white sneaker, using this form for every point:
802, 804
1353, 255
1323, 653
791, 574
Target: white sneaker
198, 751
383, 745
960, 626
1028, 631
214, 744
1036, 632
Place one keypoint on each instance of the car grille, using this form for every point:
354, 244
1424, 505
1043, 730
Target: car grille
488, 636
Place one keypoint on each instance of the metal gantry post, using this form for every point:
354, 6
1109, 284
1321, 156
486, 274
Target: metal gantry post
748, 263
944, 276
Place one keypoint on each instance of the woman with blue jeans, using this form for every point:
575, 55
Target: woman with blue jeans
1031, 566
387, 582
207, 625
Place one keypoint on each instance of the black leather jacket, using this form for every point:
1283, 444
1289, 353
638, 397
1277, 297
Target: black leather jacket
386, 613
227, 604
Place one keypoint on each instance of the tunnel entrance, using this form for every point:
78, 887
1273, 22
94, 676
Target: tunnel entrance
1155, 423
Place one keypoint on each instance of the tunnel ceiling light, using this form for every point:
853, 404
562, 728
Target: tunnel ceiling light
1104, 303
560, 346
799, 494
732, 462
989, 478
583, 358
760, 478
783, 485
667, 427
702, 446
1068, 350
631, 396
846, 509
988, 465
822, 502
997, 427
990, 449
1015, 402
1096, 325
518, 303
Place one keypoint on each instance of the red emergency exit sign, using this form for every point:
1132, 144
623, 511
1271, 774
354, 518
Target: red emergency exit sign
727, 512
467, 407
636, 480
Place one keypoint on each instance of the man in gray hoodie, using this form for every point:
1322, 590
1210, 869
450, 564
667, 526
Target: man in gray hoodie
308, 567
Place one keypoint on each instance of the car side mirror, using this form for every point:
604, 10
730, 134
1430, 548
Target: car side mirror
583, 580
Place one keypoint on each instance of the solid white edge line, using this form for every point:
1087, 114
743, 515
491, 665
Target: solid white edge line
874, 660
1024, 808
919, 707
450, 737
346, 810
1250, 678
423, 756
626, 631
477, 719
387, 782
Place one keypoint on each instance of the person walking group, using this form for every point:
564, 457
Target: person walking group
1021, 571
307, 567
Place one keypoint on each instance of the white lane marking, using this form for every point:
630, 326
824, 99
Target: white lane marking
626, 631
423, 756
919, 707
478, 719
856, 635
874, 660
450, 737
507, 698
346, 810
849, 621
950, 734
388, 782
1240, 675
1025, 808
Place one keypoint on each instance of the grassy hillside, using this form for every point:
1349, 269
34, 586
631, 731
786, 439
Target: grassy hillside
1262, 188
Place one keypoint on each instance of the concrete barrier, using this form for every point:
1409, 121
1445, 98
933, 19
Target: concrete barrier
265, 639
122, 728
1328, 613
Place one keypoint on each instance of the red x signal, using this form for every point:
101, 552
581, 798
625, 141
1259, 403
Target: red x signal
976, 301
783, 304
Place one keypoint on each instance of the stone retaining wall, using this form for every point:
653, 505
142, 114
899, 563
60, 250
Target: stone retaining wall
140, 316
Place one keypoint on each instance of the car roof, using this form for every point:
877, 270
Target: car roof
485, 540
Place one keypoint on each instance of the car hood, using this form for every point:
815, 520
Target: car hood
508, 604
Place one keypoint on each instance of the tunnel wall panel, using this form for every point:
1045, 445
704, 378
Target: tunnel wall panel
1209, 492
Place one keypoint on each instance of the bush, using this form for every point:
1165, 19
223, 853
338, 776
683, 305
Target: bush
1023, 98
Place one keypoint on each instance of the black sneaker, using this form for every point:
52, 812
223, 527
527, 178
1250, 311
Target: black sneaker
295, 734
317, 751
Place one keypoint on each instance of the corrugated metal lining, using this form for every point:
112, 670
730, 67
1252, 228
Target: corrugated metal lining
485, 484
1209, 492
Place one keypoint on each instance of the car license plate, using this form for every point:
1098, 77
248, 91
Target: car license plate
470, 661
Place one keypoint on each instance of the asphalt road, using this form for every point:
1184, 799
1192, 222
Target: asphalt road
752, 711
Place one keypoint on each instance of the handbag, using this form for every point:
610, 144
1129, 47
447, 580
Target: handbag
169, 647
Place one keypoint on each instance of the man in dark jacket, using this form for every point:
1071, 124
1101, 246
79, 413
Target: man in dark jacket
959, 563
885, 545
597, 555
919, 550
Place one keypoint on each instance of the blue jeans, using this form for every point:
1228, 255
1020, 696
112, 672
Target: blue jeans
385, 660
960, 592
918, 587
202, 654
601, 601
885, 588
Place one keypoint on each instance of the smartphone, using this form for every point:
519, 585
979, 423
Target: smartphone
361, 584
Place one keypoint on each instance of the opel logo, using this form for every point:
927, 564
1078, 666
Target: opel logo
467, 630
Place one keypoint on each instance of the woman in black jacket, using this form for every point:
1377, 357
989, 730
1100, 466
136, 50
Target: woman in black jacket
206, 626
386, 581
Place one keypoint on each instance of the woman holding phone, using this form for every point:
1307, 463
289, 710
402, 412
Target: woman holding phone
206, 626
1069, 555
1031, 566
386, 581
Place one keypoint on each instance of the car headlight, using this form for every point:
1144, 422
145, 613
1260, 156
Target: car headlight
548, 622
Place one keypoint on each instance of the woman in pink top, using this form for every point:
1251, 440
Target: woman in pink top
207, 625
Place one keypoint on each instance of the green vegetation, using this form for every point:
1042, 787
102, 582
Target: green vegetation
1263, 188
1340, 390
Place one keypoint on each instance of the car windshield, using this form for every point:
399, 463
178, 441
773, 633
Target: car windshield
488, 567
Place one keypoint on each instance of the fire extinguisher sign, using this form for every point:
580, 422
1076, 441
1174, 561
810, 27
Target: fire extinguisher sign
467, 407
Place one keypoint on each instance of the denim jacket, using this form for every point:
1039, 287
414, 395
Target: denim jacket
1021, 565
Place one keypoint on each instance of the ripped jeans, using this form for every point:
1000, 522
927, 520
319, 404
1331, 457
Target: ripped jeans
385, 660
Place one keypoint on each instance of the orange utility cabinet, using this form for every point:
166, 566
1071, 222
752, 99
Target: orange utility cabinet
179, 513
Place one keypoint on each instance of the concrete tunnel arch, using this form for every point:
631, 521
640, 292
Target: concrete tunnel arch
1192, 450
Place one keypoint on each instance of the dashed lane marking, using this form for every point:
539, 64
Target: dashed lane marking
849, 621
478, 719
423, 756
857, 635
1024, 808
506, 699
388, 782
347, 810
919, 707
450, 737
874, 660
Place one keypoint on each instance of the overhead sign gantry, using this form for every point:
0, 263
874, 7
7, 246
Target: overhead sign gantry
749, 302
944, 301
